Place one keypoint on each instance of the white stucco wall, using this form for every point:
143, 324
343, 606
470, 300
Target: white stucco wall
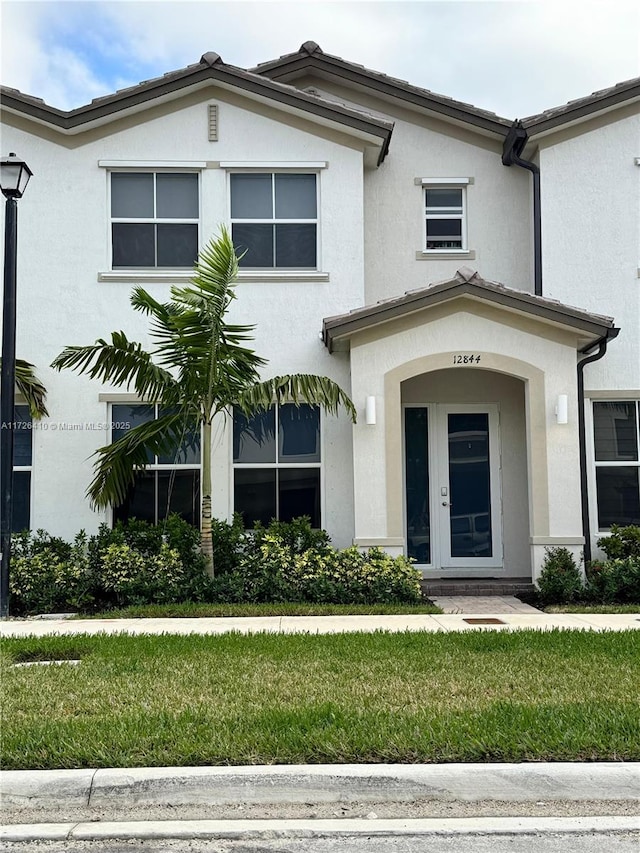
499, 203
63, 246
590, 196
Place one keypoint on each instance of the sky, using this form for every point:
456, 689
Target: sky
514, 58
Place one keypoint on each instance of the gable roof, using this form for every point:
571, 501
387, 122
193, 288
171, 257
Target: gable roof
210, 70
465, 283
580, 109
311, 57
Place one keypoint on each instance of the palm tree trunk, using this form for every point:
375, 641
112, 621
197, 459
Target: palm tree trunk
205, 518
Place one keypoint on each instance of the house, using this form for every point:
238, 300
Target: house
470, 280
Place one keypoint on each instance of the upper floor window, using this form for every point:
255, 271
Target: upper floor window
445, 218
616, 433
274, 219
154, 219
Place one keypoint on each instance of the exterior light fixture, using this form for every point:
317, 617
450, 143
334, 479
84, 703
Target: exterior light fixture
370, 411
562, 409
14, 177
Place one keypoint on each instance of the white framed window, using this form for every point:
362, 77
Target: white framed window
170, 483
154, 219
274, 219
616, 442
22, 467
444, 212
277, 464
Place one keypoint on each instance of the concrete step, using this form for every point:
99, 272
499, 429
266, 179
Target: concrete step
475, 586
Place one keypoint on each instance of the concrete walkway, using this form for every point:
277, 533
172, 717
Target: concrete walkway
481, 620
482, 604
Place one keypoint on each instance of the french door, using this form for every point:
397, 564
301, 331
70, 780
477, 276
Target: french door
452, 479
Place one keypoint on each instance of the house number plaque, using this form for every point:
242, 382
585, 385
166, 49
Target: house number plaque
466, 359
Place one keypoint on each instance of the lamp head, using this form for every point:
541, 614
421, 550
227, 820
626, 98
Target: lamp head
14, 176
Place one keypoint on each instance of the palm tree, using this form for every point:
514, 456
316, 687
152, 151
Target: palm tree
31, 388
199, 367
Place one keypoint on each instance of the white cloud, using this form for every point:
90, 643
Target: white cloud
513, 57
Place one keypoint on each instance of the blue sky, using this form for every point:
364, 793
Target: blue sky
513, 57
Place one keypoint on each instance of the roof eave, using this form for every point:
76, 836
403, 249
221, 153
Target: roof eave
340, 328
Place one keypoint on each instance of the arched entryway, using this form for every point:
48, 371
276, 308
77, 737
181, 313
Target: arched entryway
466, 507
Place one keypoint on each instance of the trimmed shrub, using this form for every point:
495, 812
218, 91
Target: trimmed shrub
137, 579
49, 578
614, 581
623, 542
560, 581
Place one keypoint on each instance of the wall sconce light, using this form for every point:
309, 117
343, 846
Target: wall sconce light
562, 409
370, 411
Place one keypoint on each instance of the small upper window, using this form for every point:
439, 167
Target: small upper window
274, 220
154, 219
445, 218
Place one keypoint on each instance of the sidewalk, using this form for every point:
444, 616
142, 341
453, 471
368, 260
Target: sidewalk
483, 620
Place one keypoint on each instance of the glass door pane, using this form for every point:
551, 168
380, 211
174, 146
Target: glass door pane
469, 484
417, 484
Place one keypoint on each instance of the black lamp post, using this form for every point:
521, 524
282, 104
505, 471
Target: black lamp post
14, 177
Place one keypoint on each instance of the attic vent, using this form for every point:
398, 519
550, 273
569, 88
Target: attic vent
213, 122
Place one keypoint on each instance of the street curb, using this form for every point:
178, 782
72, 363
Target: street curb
344, 783
233, 829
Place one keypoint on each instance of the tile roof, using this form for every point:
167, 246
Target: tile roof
311, 55
466, 282
210, 68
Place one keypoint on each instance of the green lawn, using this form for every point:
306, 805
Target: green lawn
409, 697
190, 610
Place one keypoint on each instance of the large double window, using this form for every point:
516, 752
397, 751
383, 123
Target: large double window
154, 219
22, 463
274, 219
170, 483
616, 430
276, 456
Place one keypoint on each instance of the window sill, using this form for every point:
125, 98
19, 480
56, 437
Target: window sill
446, 256
167, 276
282, 275
146, 275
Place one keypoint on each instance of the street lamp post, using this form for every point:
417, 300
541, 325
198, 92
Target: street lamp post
14, 177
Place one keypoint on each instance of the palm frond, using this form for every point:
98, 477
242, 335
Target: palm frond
117, 463
296, 388
31, 389
122, 363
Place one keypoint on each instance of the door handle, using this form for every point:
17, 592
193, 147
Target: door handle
446, 503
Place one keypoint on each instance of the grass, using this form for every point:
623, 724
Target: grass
192, 610
260, 699
592, 608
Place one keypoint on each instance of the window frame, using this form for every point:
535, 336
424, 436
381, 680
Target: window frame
133, 169
595, 463
463, 217
277, 465
155, 466
273, 170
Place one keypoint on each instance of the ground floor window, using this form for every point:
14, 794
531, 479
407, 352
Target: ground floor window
22, 463
616, 436
170, 483
277, 464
